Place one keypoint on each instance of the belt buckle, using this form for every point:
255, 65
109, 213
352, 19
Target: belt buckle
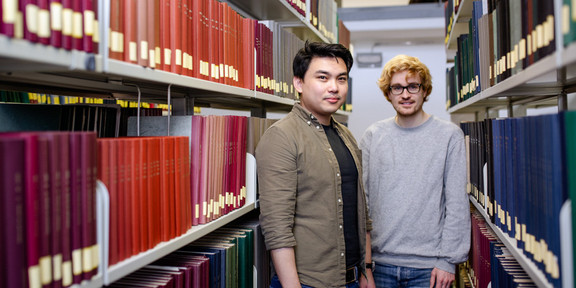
353, 270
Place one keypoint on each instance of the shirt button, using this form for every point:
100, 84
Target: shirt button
342, 254
317, 127
329, 149
338, 174
309, 122
340, 226
339, 200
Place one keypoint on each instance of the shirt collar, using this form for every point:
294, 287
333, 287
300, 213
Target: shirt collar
305, 115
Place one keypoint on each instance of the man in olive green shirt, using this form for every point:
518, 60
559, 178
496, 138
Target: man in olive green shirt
313, 208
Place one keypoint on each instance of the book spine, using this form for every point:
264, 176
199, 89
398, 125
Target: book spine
12, 183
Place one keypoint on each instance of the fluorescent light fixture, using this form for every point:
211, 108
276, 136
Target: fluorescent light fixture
369, 60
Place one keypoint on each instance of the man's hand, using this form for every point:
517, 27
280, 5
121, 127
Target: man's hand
441, 278
368, 281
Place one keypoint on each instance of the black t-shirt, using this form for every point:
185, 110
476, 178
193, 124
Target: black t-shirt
349, 175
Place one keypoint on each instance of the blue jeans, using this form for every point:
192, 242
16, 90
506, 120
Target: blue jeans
389, 276
275, 283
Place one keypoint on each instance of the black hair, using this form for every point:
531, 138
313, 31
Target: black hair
319, 49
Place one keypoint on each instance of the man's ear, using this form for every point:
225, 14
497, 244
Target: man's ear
297, 83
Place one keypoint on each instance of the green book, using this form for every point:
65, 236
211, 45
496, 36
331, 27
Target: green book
570, 134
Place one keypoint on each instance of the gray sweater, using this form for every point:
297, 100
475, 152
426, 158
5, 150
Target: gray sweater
415, 181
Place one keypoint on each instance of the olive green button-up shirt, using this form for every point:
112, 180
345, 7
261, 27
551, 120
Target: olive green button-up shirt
301, 199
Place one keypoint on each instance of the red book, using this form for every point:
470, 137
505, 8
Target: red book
152, 27
134, 192
196, 32
43, 24
89, 25
112, 185
212, 48
185, 37
186, 182
12, 183
178, 189
204, 56
165, 34
154, 190
116, 49
103, 145
56, 23
165, 224
126, 203
157, 34
142, 31
144, 195
171, 192
67, 26
130, 34
78, 25
175, 36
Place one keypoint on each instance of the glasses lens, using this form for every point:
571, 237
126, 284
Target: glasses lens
413, 88
396, 90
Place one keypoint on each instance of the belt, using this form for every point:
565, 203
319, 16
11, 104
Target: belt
352, 274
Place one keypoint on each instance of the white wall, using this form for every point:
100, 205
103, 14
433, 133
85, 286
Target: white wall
369, 105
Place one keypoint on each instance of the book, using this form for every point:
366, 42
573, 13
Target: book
12, 183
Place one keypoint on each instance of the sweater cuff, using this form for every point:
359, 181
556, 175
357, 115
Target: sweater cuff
444, 265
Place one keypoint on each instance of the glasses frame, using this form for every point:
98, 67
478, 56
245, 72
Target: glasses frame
405, 88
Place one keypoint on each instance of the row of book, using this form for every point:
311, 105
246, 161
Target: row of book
504, 37
523, 162
163, 35
202, 38
148, 182
48, 210
490, 262
228, 257
323, 15
66, 24
568, 22
281, 48
55, 99
108, 120
158, 189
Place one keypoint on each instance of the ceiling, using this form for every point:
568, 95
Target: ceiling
417, 24
375, 3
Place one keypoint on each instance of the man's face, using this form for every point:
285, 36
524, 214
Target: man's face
324, 87
406, 104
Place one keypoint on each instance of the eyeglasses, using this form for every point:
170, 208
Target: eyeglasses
412, 89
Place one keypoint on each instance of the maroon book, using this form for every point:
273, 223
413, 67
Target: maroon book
89, 17
77, 173
28, 15
65, 221
78, 25
67, 27
45, 157
9, 13
13, 268
88, 203
43, 24
56, 23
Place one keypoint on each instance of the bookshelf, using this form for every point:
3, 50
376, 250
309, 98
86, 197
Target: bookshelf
544, 83
34, 67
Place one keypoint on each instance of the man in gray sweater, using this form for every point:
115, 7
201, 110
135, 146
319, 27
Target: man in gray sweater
415, 179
